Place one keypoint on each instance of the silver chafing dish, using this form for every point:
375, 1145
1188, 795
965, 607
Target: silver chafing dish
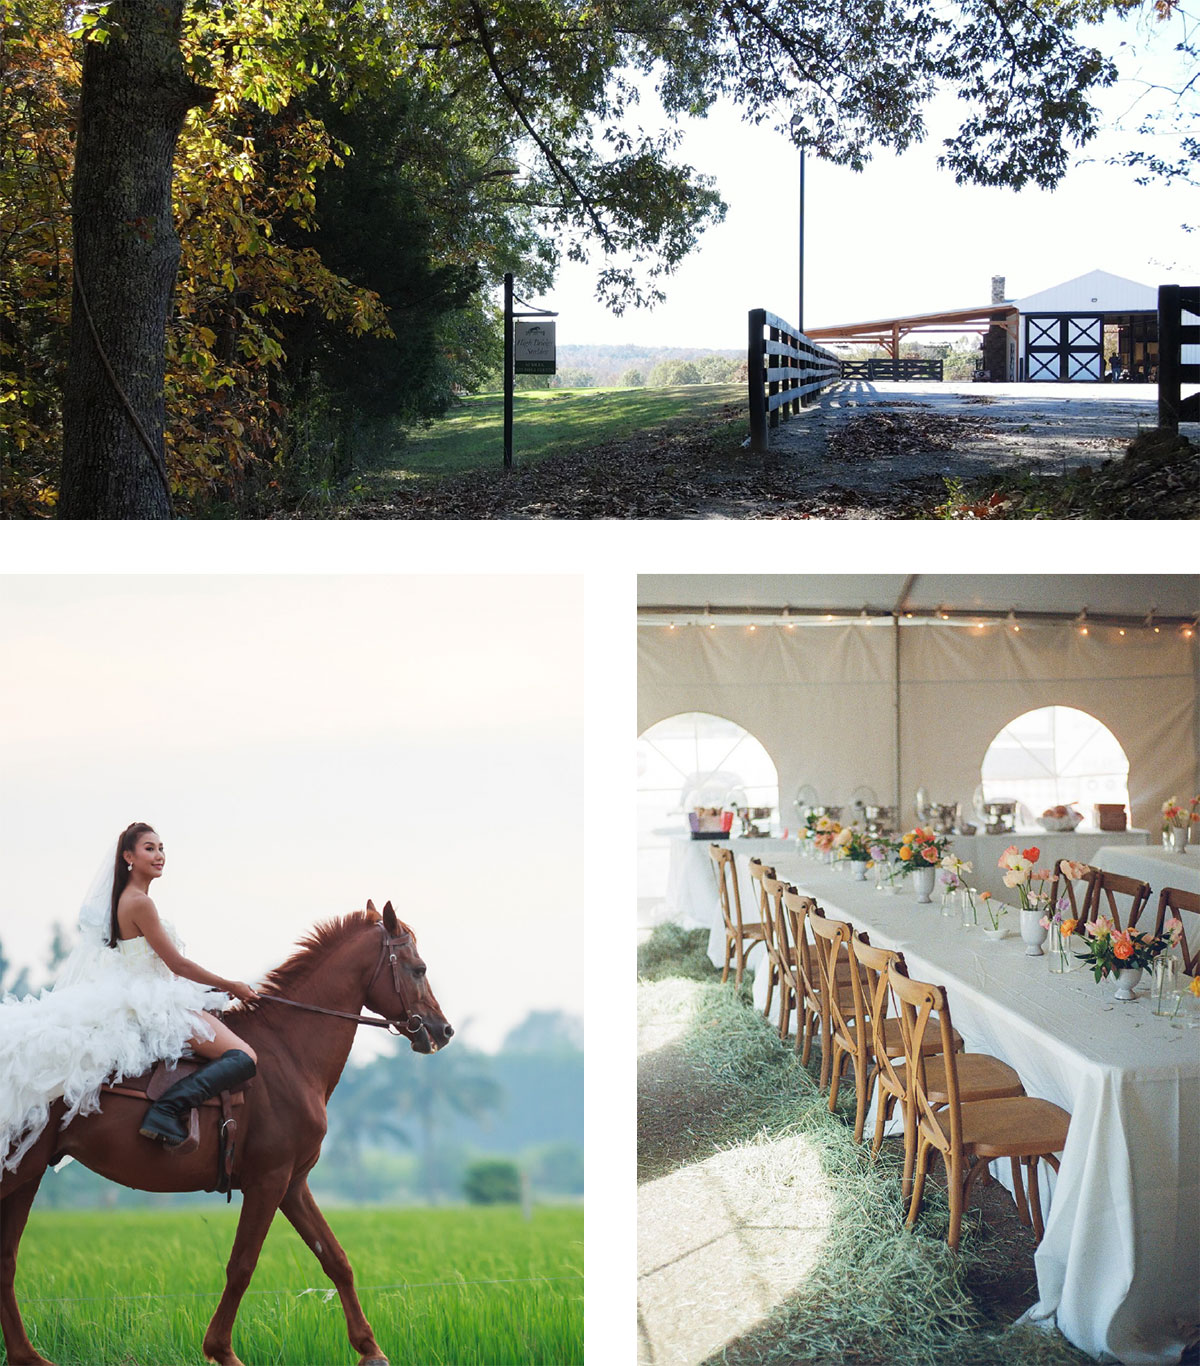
750, 817
941, 816
881, 820
1000, 817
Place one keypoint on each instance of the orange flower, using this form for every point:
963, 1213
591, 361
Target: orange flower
1194, 986
1122, 945
905, 852
1067, 928
1031, 854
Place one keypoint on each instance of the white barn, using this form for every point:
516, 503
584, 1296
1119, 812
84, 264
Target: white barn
1060, 336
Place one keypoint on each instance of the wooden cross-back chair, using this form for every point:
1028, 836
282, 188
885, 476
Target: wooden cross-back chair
868, 1039
1105, 889
796, 909
758, 871
844, 1006
739, 936
1172, 900
969, 1134
784, 964
980, 1076
810, 1000
1062, 884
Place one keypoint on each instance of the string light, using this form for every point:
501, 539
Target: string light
1081, 622
1121, 632
945, 616
1012, 620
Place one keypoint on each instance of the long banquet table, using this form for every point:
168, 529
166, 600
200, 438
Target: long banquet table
1153, 864
1119, 1266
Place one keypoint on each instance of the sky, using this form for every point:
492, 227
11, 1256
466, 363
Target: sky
900, 237
302, 744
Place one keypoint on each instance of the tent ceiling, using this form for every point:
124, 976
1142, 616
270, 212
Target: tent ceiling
1132, 594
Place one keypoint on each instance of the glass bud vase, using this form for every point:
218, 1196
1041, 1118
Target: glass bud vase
1059, 951
968, 908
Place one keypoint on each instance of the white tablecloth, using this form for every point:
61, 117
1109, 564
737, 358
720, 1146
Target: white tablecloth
1152, 864
1119, 1266
692, 891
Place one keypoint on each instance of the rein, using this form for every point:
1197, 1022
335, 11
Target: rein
413, 1024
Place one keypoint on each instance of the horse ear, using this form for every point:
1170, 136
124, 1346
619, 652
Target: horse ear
371, 907
389, 919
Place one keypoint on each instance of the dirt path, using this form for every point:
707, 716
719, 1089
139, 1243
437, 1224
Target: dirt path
974, 430
880, 451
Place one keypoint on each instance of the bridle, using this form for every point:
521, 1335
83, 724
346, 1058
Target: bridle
411, 1022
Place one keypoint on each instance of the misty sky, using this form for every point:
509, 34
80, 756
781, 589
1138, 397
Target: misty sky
303, 744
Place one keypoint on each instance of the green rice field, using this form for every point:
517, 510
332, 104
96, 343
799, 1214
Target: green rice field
479, 1287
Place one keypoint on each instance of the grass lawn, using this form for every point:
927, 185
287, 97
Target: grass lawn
549, 422
471, 1286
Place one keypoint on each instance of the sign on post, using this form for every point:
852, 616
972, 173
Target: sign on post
528, 350
533, 348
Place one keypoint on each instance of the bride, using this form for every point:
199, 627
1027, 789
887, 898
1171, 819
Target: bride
125, 998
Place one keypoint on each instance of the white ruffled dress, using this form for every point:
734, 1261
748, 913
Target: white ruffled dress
113, 1013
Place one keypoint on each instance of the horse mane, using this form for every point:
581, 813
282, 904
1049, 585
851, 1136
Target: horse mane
321, 939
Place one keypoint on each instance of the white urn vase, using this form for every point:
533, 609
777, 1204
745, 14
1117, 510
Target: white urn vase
1033, 932
1126, 979
923, 879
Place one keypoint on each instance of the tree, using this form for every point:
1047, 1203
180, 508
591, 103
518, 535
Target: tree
671, 372
135, 97
492, 1181
632, 379
455, 1081
546, 86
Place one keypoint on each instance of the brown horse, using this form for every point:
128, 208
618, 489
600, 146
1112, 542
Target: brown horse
361, 959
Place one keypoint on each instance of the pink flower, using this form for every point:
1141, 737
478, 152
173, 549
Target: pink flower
1010, 852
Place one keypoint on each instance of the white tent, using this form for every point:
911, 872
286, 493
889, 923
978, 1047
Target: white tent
896, 683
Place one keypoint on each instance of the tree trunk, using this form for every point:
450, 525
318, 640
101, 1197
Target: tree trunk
134, 99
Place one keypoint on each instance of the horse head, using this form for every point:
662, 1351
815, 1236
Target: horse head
400, 991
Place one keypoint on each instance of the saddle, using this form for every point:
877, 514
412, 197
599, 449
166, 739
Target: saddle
151, 1084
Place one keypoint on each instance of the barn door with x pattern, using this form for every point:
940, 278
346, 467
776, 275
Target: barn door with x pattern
1064, 346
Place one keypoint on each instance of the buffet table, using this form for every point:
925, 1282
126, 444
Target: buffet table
692, 887
1119, 1265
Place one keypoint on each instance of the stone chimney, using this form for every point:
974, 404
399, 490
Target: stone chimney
997, 289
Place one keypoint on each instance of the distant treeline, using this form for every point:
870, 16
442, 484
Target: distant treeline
631, 367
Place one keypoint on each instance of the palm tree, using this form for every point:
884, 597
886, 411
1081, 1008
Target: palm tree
454, 1081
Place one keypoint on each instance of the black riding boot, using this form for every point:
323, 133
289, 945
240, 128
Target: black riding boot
166, 1118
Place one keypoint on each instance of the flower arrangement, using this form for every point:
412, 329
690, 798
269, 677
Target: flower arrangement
1180, 816
853, 842
1110, 949
1021, 872
826, 832
921, 848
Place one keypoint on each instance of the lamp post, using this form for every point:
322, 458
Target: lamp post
797, 126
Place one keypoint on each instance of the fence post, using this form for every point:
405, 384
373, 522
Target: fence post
755, 364
1170, 356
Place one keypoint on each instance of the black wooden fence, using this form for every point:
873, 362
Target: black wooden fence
786, 370
1173, 335
883, 367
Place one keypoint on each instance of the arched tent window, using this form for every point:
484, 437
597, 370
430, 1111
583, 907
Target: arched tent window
693, 755
1055, 756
